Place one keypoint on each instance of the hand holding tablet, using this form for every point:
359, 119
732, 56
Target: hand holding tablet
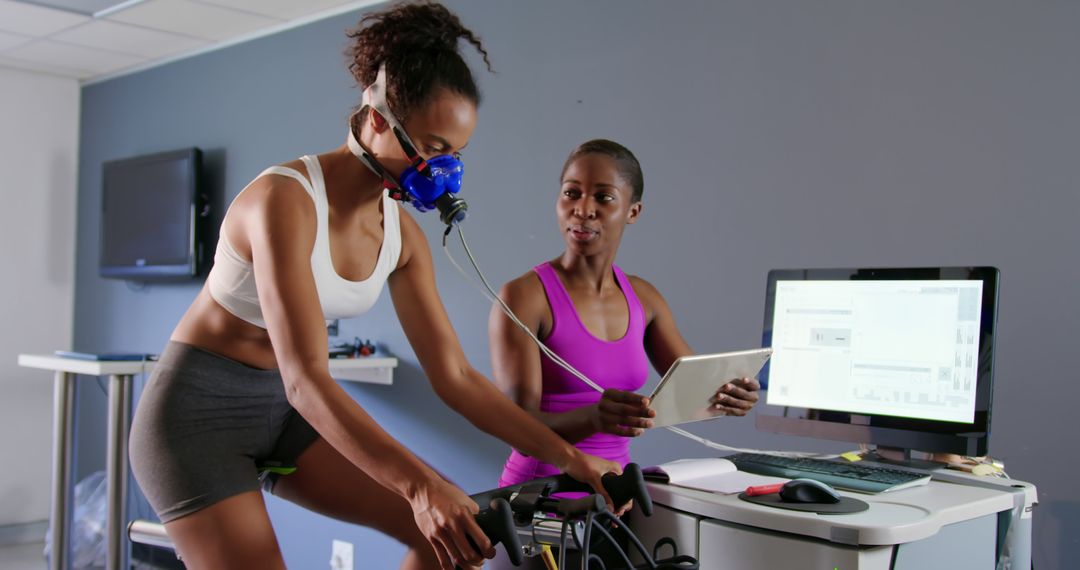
737, 397
687, 392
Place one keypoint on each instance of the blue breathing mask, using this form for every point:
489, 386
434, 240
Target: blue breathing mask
426, 184
444, 179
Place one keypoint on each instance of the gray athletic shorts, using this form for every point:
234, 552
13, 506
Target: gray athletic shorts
204, 427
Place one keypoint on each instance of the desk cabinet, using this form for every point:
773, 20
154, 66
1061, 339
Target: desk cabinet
953, 523
960, 546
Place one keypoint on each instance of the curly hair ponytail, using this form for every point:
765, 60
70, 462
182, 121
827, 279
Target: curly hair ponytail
418, 42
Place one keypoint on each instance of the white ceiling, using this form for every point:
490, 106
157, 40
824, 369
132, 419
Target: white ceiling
89, 40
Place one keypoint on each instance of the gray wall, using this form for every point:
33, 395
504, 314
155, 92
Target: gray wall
772, 134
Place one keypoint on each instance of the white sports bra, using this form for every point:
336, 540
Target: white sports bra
231, 281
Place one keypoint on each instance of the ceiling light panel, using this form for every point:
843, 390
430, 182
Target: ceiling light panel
194, 19
84, 7
68, 56
30, 20
281, 9
8, 41
133, 40
9, 63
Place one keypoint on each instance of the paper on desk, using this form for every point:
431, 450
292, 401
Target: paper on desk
714, 474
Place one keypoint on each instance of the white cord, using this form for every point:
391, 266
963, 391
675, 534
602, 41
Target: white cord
722, 447
491, 295
494, 297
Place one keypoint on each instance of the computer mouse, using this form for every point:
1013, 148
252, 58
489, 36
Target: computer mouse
808, 491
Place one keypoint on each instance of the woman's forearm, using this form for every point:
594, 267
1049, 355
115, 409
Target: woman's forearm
476, 398
358, 437
574, 425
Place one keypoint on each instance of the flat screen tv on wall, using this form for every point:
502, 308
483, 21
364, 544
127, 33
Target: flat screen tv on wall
154, 217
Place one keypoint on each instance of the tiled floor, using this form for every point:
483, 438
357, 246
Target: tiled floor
22, 556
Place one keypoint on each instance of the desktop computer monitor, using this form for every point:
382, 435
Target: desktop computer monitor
900, 358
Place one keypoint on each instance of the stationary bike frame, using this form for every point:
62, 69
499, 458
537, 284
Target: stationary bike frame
531, 510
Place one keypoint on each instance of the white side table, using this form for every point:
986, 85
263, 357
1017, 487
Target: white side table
120, 375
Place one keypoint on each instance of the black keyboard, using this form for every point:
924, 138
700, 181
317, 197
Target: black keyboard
839, 474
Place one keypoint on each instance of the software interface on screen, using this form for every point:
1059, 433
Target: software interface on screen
897, 348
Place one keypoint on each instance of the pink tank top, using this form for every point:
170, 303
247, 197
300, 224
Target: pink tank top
620, 364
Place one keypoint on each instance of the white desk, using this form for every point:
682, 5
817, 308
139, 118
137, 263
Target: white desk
120, 374
953, 522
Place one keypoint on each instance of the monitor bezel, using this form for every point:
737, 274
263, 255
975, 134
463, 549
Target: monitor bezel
892, 431
190, 268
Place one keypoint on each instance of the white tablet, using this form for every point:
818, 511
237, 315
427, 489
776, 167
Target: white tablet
685, 392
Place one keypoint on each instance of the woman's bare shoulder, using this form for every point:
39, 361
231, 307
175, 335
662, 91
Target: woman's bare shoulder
280, 193
271, 201
647, 294
524, 289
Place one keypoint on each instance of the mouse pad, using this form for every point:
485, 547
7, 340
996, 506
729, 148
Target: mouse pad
847, 505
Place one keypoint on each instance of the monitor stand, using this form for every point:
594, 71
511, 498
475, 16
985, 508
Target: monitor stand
902, 457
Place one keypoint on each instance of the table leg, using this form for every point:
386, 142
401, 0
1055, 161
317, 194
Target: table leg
63, 451
117, 460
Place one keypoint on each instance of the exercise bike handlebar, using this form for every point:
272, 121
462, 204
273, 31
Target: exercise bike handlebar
497, 522
496, 516
622, 488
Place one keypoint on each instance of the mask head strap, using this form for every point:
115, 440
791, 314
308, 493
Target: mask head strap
375, 98
392, 187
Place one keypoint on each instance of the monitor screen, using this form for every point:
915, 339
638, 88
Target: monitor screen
149, 206
897, 357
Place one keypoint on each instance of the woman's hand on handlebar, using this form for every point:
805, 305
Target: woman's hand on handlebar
446, 518
590, 469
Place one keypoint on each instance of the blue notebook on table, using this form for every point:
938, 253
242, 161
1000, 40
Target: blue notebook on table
105, 356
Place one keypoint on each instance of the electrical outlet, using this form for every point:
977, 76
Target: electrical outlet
341, 555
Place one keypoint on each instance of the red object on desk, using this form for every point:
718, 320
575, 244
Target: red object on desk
763, 490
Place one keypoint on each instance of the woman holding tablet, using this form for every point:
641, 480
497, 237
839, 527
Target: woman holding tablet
604, 323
